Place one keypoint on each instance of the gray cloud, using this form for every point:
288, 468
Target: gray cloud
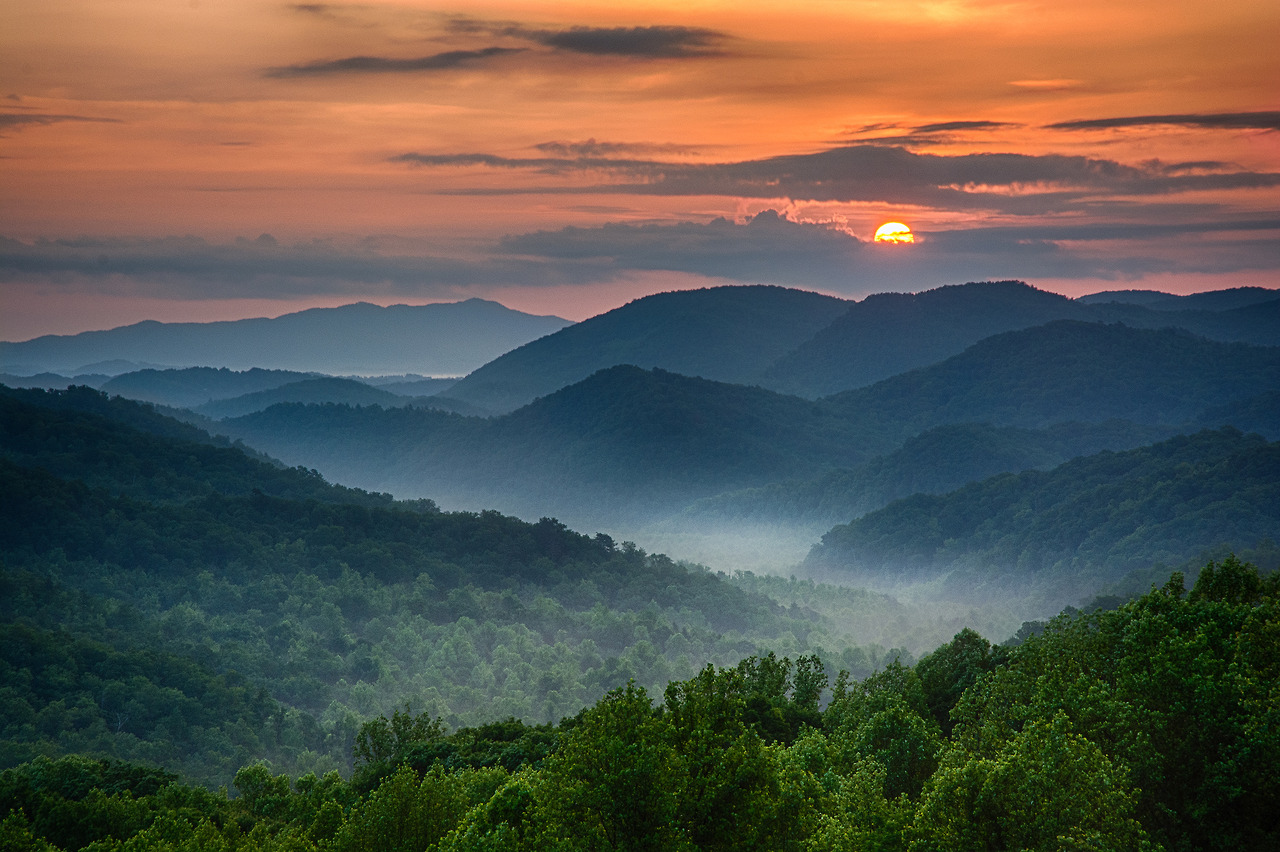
18, 121
768, 248
771, 249
655, 42
1223, 120
192, 268
946, 126
1013, 183
383, 65
593, 148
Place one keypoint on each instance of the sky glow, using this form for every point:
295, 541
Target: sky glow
566, 158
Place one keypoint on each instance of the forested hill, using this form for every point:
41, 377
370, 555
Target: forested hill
1080, 525
627, 444
127, 448
729, 334
890, 333
622, 442
801, 343
168, 580
1069, 371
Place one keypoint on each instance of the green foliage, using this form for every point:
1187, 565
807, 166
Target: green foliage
1149, 726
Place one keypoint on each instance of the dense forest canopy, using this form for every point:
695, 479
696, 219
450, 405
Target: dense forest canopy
1150, 726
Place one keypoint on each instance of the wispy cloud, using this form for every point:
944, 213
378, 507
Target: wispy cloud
1013, 183
445, 61
602, 149
1266, 120
19, 121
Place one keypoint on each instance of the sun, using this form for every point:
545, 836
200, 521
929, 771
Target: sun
894, 232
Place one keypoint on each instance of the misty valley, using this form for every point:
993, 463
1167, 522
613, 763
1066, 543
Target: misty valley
746, 567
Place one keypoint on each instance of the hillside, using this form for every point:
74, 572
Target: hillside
728, 334
622, 443
891, 333
1049, 534
140, 570
442, 340
1067, 371
192, 387
628, 446
936, 461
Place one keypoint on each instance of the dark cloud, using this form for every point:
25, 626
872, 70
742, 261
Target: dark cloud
18, 121
771, 249
946, 126
656, 42
767, 248
544, 165
192, 268
1223, 120
1012, 183
384, 65
592, 148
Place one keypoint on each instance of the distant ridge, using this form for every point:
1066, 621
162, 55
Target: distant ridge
726, 334
809, 345
442, 340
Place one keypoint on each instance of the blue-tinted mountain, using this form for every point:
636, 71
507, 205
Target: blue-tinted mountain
1087, 522
443, 340
627, 441
1212, 300
890, 333
1067, 371
622, 441
727, 334
193, 387
317, 390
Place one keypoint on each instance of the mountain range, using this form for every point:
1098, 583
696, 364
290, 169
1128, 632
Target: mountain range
795, 342
362, 339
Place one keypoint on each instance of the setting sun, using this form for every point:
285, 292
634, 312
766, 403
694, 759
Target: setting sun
894, 232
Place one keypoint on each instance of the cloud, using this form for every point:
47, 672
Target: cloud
192, 268
383, 65
19, 121
655, 42
1013, 183
767, 248
946, 126
1053, 85
771, 249
592, 148
1222, 121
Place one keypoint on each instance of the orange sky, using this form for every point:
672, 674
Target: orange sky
413, 152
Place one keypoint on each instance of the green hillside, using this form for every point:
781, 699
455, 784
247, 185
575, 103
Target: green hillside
1050, 534
166, 573
1152, 726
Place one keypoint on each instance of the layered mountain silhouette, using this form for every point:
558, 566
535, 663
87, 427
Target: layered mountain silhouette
812, 346
442, 340
727, 334
627, 442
